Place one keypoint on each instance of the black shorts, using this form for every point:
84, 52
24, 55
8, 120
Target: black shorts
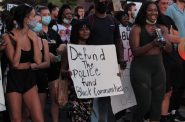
42, 81
53, 71
20, 80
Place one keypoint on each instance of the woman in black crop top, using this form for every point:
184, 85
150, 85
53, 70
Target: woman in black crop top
147, 71
22, 50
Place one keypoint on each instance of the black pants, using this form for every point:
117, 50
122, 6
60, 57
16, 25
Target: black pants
148, 80
178, 86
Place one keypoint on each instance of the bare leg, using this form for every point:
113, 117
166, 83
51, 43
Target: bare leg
42, 97
15, 106
31, 99
166, 103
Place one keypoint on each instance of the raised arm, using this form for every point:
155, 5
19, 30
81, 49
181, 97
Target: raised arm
13, 52
37, 53
46, 62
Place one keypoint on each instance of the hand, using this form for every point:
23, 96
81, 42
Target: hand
32, 36
33, 66
52, 57
61, 49
66, 74
156, 43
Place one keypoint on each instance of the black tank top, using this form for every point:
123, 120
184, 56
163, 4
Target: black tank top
145, 37
26, 56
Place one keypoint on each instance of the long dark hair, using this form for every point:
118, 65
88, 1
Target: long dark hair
141, 16
75, 30
18, 15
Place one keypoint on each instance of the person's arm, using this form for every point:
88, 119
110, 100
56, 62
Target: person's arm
168, 46
46, 62
134, 41
37, 53
12, 53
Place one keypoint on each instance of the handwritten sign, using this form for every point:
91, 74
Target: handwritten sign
127, 100
2, 100
10, 6
94, 70
117, 5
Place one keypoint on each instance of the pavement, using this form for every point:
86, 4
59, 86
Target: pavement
63, 114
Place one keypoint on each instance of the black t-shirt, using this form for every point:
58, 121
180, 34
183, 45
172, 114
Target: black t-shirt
104, 31
172, 58
53, 39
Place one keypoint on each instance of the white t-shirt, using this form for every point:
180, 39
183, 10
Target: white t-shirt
63, 31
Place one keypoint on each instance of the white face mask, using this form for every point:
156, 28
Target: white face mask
134, 14
66, 21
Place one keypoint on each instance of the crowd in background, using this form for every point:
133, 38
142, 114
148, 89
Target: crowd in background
33, 56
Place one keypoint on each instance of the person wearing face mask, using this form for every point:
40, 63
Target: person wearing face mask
64, 23
104, 31
22, 50
131, 9
39, 69
54, 41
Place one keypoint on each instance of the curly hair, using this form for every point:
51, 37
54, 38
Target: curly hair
141, 16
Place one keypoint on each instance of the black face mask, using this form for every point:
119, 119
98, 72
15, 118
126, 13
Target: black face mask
101, 7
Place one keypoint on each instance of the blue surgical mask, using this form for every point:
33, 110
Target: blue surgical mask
37, 28
32, 24
46, 20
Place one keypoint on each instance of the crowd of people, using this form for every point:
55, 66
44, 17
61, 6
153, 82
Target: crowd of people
34, 55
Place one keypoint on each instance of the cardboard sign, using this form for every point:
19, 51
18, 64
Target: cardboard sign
127, 100
117, 5
94, 70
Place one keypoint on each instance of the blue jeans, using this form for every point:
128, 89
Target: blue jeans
102, 110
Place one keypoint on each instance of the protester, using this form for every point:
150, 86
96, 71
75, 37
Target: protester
147, 72
177, 14
131, 9
22, 50
54, 42
64, 23
172, 61
79, 109
79, 12
104, 31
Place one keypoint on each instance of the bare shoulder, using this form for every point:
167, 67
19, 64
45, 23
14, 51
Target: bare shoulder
136, 28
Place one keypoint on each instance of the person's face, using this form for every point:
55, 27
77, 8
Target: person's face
133, 11
152, 12
124, 20
67, 14
54, 12
170, 2
81, 12
84, 33
30, 17
163, 5
45, 12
